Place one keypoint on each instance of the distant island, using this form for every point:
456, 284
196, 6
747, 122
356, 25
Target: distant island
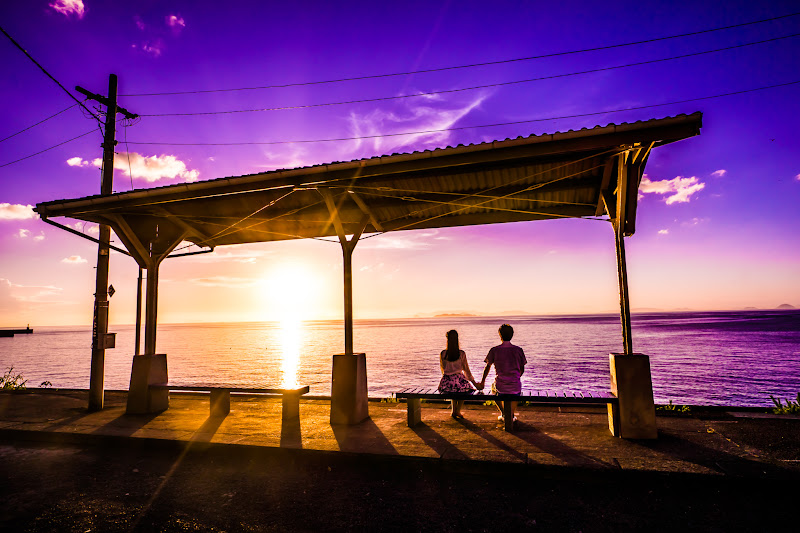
452, 315
786, 306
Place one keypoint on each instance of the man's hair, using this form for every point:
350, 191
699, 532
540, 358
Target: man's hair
506, 332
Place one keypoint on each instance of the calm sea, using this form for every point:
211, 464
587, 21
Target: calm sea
701, 358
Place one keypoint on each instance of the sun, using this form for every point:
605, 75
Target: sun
290, 293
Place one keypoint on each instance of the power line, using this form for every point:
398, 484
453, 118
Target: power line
472, 65
579, 115
47, 73
474, 87
40, 122
46, 149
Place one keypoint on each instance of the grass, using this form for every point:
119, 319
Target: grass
791, 407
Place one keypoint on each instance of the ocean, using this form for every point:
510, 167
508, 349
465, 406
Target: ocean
699, 358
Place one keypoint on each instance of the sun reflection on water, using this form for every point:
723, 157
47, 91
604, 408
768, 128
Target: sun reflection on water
291, 332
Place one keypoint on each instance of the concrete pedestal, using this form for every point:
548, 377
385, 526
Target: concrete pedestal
349, 389
148, 370
635, 417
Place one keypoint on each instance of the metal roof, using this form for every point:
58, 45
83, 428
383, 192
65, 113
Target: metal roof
546, 176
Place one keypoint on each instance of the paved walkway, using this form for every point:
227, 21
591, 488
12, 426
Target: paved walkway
719, 443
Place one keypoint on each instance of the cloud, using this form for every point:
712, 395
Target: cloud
296, 157
174, 21
408, 241
73, 260
149, 169
681, 188
11, 294
39, 237
797, 177
226, 281
663, 231
415, 114
22, 233
694, 222
237, 253
16, 212
154, 48
719, 173
78, 162
69, 7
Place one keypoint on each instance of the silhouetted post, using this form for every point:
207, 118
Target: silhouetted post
100, 322
622, 269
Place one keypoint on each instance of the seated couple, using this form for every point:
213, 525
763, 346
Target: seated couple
508, 360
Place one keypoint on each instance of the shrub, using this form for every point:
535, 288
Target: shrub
791, 408
11, 381
673, 407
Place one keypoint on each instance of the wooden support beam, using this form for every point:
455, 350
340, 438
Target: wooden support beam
131, 240
366, 210
603, 201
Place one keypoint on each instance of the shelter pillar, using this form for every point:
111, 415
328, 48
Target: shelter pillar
149, 368
631, 382
349, 399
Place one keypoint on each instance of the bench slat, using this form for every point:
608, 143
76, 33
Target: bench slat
233, 388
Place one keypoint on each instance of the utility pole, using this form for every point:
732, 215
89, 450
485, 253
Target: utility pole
100, 338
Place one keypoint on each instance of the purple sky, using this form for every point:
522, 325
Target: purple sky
718, 221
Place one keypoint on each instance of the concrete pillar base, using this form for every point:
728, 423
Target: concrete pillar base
148, 370
290, 408
635, 418
349, 389
220, 402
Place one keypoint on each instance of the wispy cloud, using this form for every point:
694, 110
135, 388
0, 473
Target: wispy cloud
296, 157
696, 221
11, 293
422, 114
16, 212
73, 260
406, 241
23, 233
797, 177
69, 7
237, 253
149, 169
663, 231
719, 173
226, 281
680, 189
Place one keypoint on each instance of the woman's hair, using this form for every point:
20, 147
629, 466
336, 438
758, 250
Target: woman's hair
453, 351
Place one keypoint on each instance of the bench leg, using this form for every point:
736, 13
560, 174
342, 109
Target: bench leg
508, 415
220, 402
290, 404
414, 411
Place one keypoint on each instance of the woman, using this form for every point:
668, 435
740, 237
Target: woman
456, 376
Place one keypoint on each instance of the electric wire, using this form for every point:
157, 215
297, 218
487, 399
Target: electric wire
462, 89
15, 43
46, 149
472, 65
456, 128
40, 122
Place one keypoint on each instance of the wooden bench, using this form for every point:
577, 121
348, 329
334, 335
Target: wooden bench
221, 397
544, 397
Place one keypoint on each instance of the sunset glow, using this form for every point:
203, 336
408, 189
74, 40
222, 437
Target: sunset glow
717, 224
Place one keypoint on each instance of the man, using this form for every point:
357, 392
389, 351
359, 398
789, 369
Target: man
509, 364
